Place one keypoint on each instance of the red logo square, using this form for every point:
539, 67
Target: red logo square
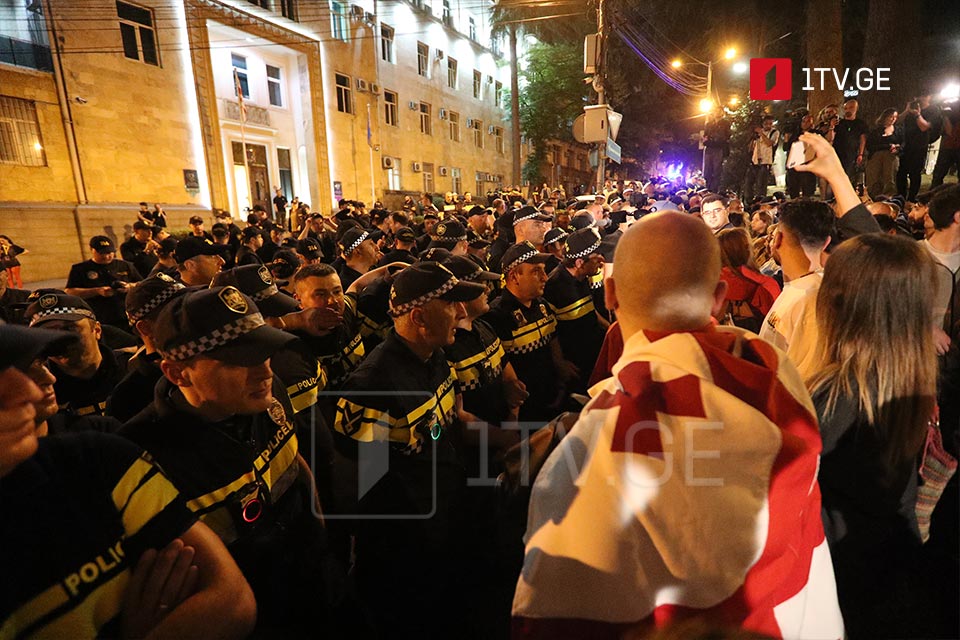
771, 79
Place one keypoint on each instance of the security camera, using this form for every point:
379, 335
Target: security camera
80, 100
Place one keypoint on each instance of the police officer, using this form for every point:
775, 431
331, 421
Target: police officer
580, 329
103, 281
553, 244
450, 235
144, 302
89, 370
404, 240
199, 260
251, 241
358, 248
221, 427
140, 249
410, 552
527, 329
84, 518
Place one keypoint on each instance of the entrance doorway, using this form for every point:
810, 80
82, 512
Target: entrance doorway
255, 187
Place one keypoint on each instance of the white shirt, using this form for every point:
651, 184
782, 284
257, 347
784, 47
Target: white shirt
783, 317
949, 260
763, 154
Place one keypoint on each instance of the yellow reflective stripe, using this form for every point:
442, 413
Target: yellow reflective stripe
303, 394
129, 482
369, 326
219, 495
33, 610
150, 499
92, 409
579, 309
280, 460
354, 351
97, 609
468, 369
596, 280
529, 334
479, 356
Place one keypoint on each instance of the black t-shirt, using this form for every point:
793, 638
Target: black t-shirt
134, 392
478, 359
846, 140
13, 303
134, 252
526, 334
89, 275
915, 141
77, 516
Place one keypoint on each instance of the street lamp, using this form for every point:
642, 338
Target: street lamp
740, 67
676, 64
706, 105
730, 53
734, 101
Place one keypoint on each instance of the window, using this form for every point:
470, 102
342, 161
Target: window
496, 44
498, 94
393, 175
240, 67
472, 28
454, 126
451, 72
263, 4
498, 139
477, 83
344, 93
288, 9
23, 36
386, 43
428, 177
20, 141
339, 23
456, 181
273, 86
480, 180
137, 33
390, 115
426, 126
423, 54
286, 172
447, 14
478, 133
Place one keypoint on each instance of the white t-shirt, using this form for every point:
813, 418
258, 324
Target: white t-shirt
949, 260
784, 315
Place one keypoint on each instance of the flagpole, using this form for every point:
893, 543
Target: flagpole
373, 188
243, 137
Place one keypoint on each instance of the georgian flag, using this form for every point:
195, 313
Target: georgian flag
686, 489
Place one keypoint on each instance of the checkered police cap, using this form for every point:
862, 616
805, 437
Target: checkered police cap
582, 243
216, 338
149, 295
58, 306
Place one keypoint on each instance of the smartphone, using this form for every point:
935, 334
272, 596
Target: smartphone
798, 154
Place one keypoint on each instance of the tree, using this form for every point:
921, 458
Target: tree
552, 96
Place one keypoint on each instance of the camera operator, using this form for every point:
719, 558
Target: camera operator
762, 145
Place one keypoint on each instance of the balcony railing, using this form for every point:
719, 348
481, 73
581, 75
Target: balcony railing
25, 54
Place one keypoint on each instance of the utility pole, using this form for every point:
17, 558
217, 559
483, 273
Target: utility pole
598, 85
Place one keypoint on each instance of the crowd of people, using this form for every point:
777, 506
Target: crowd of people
587, 418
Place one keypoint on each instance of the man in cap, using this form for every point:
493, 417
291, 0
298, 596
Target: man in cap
309, 251
527, 329
402, 401
505, 238
530, 225
221, 427
450, 235
103, 281
129, 557
478, 219
199, 260
580, 329
251, 241
404, 240
272, 241
358, 248
140, 249
88, 371
431, 218
196, 228
478, 248
553, 244
166, 258
144, 302
12, 301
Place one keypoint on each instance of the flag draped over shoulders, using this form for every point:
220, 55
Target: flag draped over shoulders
687, 488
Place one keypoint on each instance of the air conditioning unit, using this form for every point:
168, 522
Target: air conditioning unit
361, 84
442, 113
489, 79
491, 129
356, 11
369, 18
414, 106
439, 54
417, 167
469, 123
387, 162
443, 171
374, 88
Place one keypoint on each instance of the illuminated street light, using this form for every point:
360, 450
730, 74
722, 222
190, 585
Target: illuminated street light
730, 54
740, 67
706, 105
734, 101
676, 64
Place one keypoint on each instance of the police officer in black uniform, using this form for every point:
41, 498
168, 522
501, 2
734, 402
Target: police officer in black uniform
145, 300
140, 249
410, 552
553, 244
580, 329
221, 427
103, 281
89, 370
404, 240
527, 329
12, 301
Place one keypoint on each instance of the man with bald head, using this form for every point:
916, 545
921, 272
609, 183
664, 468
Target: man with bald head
687, 487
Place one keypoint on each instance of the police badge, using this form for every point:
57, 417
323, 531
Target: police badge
232, 299
543, 310
264, 274
277, 413
48, 302
518, 317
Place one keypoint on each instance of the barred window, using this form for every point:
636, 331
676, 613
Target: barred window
138, 33
20, 141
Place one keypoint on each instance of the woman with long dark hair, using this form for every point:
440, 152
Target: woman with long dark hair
750, 294
883, 147
873, 385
